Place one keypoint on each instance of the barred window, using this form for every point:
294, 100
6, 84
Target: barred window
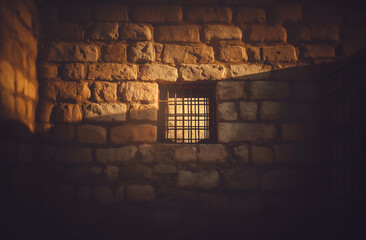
187, 113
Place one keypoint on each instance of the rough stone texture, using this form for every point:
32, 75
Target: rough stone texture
285, 153
63, 133
263, 33
250, 71
74, 71
231, 54
157, 14
227, 111
221, 32
242, 153
236, 132
275, 110
91, 134
325, 33
188, 153
115, 52
132, 31
73, 155
209, 15
292, 132
104, 92
103, 195
182, 33
249, 15
212, 153
144, 112
112, 173
261, 155
115, 155
204, 180
110, 12
285, 53
187, 54
133, 133
68, 113
112, 71
191, 72
153, 72
241, 179
248, 110
140, 193
138, 92
268, 90
165, 169
71, 52
141, 52
146, 152
105, 31
65, 91
315, 52
105, 112
230, 90
254, 54
286, 13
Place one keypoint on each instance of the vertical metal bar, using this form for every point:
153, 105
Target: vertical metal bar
191, 115
183, 114
175, 114
167, 114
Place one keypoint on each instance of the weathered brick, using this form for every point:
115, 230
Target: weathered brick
204, 179
141, 52
112, 173
325, 33
156, 14
7, 76
253, 54
187, 153
275, 111
154, 71
103, 195
181, 33
249, 15
242, 153
261, 155
263, 33
83, 172
63, 133
187, 54
62, 31
250, 71
112, 71
136, 171
74, 71
70, 52
286, 13
221, 32
144, 112
133, 133
231, 54
68, 113
190, 72
73, 155
110, 12
104, 92
248, 110
269, 90
285, 53
285, 152
165, 169
140, 193
241, 179
227, 111
212, 153
230, 90
318, 52
209, 15
132, 31
108, 112
146, 152
47, 71
115, 52
115, 155
91, 134
76, 12
138, 92
236, 132
292, 131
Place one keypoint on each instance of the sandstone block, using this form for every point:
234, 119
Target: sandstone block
112, 71
138, 92
140, 193
187, 54
47, 71
248, 110
263, 33
250, 71
221, 32
188, 153
68, 113
110, 12
76, 12
285, 53
292, 132
153, 72
212, 153
71, 52
204, 180
190, 72
181, 33
209, 15
132, 31
63, 31
231, 54
74, 71
142, 52
241, 179
91, 134
275, 110
242, 153
104, 92
165, 169
285, 152
115, 52
133, 133
268, 90
245, 15
318, 52
104, 31
286, 13
7, 76
254, 54
236, 132
227, 111
32, 90
63, 133
261, 155
146, 152
112, 173
156, 14
115, 155
144, 112
108, 112
230, 90
73, 155
103, 195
